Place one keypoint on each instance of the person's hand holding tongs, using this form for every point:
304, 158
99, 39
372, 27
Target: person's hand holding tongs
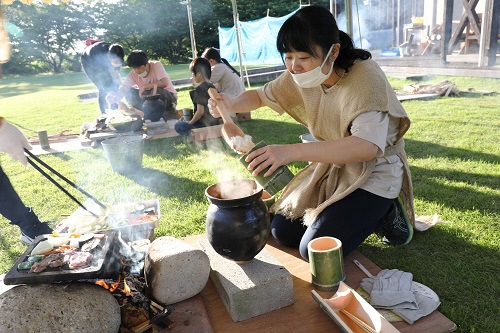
14, 143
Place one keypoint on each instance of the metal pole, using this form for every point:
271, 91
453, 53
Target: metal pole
348, 17
236, 26
191, 29
483, 60
446, 30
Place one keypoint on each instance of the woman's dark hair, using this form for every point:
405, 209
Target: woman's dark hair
116, 51
137, 58
201, 65
315, 25
212, 53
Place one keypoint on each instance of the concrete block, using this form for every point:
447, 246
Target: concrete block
248, 290
156, 127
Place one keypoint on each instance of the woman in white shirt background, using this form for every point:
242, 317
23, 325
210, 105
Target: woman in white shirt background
226, 79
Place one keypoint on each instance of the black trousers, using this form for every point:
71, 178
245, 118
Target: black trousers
351, 220
11, 206
153, 109
98, 69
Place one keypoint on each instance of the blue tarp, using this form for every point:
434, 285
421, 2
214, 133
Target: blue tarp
258, 39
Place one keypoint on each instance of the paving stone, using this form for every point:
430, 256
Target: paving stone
59, 308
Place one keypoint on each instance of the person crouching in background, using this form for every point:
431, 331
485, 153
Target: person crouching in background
200, 71
101, 62
139, 86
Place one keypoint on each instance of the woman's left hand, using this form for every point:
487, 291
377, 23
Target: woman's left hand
272, 156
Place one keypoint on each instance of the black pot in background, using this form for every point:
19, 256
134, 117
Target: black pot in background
153, 109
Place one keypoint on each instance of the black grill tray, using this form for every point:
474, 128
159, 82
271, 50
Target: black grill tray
101, 257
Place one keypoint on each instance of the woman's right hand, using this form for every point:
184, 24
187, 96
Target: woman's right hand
212, 104
13, 142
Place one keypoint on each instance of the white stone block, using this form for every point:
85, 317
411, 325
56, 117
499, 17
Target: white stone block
175, 270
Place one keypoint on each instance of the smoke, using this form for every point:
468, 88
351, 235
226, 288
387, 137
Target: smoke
221, 168
236, 189
232, 182
366, 32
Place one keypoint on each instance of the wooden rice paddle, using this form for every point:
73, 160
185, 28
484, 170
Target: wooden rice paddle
154, 95
229, 128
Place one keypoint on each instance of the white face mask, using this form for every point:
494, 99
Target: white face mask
314, 77
143, 74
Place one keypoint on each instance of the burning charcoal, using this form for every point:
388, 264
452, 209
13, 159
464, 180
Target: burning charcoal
135, 283
141, 301
137, 269
133, 316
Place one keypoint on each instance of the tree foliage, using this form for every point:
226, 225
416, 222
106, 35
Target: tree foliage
50, 33
158, 27
54, 33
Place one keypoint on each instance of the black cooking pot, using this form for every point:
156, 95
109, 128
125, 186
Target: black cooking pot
153, 108
237, 227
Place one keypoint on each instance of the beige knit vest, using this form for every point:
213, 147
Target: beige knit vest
328, 116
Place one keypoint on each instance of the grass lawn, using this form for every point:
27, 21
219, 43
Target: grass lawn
452, 147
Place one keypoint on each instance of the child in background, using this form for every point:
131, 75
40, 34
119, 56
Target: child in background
200, 70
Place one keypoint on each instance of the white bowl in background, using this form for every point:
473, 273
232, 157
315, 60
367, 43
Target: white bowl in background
308, 138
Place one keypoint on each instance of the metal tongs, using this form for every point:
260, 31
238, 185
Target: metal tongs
46, 175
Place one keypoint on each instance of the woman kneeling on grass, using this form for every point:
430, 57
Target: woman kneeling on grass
359, 167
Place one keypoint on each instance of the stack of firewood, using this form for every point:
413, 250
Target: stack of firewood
444, 87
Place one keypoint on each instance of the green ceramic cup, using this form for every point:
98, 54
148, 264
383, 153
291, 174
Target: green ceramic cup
277, 180
326, 262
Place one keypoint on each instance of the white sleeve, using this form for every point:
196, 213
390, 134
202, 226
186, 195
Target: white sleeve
217, 72
372, 126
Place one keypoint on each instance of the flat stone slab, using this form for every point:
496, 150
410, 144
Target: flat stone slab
59, 308
251, 289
